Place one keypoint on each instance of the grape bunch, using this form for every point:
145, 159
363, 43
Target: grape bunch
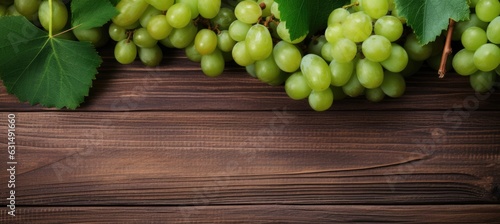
479, 36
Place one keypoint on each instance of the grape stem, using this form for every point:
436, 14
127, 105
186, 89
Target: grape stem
447, 49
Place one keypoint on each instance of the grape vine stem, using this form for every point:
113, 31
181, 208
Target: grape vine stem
447, 49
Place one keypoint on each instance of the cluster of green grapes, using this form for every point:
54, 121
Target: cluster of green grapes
480, 36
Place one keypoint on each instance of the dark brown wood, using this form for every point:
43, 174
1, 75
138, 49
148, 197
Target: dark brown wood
280, 157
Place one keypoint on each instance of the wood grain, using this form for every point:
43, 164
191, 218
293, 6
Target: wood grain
260, 214
243, 158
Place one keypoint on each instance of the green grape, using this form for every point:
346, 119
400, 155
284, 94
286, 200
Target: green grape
482, 81
238, 30
241, 55
394, 85
497, 70
473, 3
267, 70
280, 79
167, 43
487, 57
193, 5
12, 11
181, 38
117, 33
248, 11
412, 68
158, 27
334, 32
27, 8
213, 64
353, 87
209, 8
493, 31
344, 50
392, 5
149, 13
341, 72
473, 38
415, 50
357, 5
398, 60
259, 42
321, 100
287, 56
97, 36
205, 41
267, 7
375, 8
151, 56
59, 15
316, 45
143, 39
370, 74
161, 5
376, 48
337, 16
461, 26
251, 70
224, 19
316, 71
3, 10
225, 42
192, 54
389, 27
284, 34
130, 12
179, 15
125, 52
296, 86
327, 52
487, 10
357, 27
375, 95
463, 62
275, 10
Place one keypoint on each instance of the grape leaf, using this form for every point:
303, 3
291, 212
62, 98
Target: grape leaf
307, 16
41, 69
428, 18
85, 15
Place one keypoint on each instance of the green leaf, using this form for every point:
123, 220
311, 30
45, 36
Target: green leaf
307, 16
88, 14
428, 18
39, 69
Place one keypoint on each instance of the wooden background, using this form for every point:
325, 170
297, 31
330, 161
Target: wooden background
169, 145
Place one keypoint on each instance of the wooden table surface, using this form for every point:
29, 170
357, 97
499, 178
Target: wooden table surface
169, 145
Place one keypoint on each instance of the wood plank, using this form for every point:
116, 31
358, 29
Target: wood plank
179, 85
280, 157
259, 214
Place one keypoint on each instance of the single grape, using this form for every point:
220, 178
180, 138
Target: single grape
238, 30
296, 86
192, 54
415, 50
487, 10
394, 85
125, 52
27, 8
344, 50
316, 71
398, 60
251, 70
463, 62
353, 87
248, 11
97, 36
341, 72
482, 81
493, 31
357, 5
167, 43
179, 15
266, 11
473, 38
316, 45
357, 27
149, 13
259, 42
370, 74
158, 27
224, 19
487, 57
337, 16
284, 34
59, 15
225, 42
375, 95
205, 41
213, 64
209, 8
241, 55
287, 56
181, 38
162, 5
376, 48
375, 8
267, 70
321, 100
151, 56
130, 12
327, 52
280, 80
143, 39
193, 5
117, 33
461, 26
412, 68
389, 27
334, 32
